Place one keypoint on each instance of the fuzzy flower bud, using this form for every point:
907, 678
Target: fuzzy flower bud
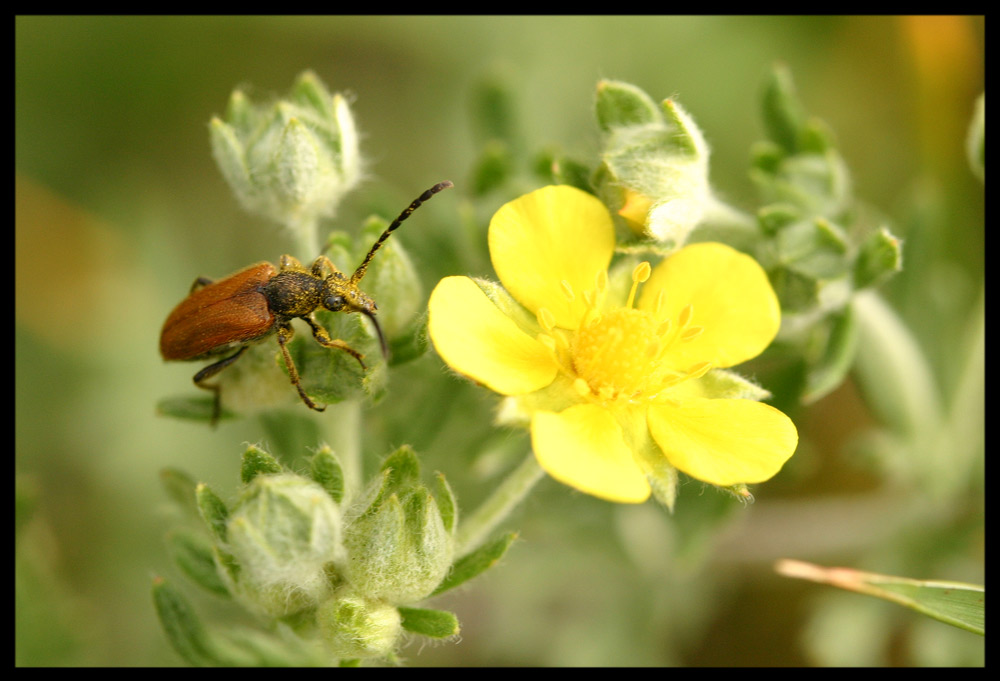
392, 280
283, 533
358, 628
398, 546
291, 161
655, 171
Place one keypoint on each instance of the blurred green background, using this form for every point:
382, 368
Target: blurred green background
119, 206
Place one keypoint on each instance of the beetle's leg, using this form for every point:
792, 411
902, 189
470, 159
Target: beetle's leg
200, 282
323, 338
212, 370
285, 334
323, 262
288, 262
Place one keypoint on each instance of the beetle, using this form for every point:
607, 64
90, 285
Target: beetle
225, 317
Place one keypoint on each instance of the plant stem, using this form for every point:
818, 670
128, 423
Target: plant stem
344, 437
475, 529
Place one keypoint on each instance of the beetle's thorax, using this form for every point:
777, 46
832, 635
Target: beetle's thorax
294, 294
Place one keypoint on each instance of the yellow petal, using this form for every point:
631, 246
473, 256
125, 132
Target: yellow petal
583, 448
635, 210
731, 297
478, 340
724, 442
552, 235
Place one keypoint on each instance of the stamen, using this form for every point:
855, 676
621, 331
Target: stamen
581, 387
591, 317
692, 332
685, 315
639, 275
602, 281
641, 272
661, 302
546, 319
699, 370
567, 290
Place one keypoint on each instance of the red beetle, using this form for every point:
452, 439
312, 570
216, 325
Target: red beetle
224, 316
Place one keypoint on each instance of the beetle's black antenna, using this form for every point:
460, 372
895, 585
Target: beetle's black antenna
381, 338
363, 267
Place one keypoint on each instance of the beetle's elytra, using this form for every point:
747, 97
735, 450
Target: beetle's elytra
223, 317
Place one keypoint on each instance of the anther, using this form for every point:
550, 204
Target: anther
685, 315
546, 319
692, 332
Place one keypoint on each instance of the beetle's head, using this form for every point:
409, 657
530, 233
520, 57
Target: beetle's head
344, 296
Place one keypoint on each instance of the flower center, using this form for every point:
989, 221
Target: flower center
618, 355
622, 354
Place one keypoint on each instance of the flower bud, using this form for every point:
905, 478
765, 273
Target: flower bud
655, 171
392, 280
291, 161
354, 627
398, 547
284, 533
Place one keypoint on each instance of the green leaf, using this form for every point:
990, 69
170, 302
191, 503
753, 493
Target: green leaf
623, 104
237, 647
880, 256
181, 488
663, 480
446, 502
574, 173
493, 168
194, 556
433, 623
326, 470
894, 372
411, 344
184, 630
475, 563
257, 462
309, 92
494, 111
245, 647
955, 603
838, 357
795, 291
191, 409
213, 511
723, 384
402, 468
784, 116
776, 216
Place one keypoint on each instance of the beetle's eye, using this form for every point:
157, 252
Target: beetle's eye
334, 303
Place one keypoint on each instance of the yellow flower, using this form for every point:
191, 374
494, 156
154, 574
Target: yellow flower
617, 389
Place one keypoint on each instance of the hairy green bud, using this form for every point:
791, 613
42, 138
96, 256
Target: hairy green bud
284, 533
397, 545
291, 161
354, 627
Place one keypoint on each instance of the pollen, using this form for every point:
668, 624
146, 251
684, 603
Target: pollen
624, 354
617, 355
